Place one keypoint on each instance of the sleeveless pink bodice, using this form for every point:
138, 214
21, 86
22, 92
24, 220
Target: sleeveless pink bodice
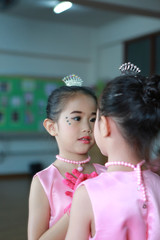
52, 183
118, 206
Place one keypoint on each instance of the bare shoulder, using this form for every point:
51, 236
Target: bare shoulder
82, 201
80, 216
36, 184
37, 192
39, 210
81, 192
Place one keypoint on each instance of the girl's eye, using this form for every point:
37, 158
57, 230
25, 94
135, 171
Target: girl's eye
77, 118
93, 119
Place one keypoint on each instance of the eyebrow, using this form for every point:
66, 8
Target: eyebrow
93, 113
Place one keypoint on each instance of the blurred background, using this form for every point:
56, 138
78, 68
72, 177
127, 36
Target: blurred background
37, 49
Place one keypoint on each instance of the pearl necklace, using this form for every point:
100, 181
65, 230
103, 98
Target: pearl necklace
79, 168
136, 168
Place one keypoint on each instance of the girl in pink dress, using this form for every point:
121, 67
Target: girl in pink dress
124, 202
71, 113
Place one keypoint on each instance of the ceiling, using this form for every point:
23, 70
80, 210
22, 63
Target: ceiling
92, 13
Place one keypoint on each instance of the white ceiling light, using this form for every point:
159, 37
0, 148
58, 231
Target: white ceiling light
62, 6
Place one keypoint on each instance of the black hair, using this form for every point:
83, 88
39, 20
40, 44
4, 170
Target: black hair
134, 103
60, 96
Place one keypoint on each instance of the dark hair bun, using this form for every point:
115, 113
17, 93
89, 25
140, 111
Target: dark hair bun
151, 90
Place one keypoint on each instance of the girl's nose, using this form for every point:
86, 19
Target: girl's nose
87, 129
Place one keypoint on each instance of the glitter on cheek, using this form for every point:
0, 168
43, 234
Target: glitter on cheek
68, 121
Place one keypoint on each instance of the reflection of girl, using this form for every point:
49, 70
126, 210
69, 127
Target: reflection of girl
124, 202
71, 113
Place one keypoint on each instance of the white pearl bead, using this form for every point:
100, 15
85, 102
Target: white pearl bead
80, 168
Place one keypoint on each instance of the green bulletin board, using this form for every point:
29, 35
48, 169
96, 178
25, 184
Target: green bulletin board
23, 103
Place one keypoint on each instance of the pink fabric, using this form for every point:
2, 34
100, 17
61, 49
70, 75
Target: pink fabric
52, 182
118, 207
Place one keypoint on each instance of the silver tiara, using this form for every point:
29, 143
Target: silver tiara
129, 69
72, 80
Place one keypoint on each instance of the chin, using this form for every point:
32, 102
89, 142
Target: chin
86, 149
83, 152
103, 152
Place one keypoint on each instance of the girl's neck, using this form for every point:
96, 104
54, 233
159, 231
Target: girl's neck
119, 150
123, 153
124, 166
124, 158
80, 168
73, 156
64, 167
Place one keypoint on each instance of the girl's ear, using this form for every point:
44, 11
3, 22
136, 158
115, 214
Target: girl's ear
50, 127
105, 126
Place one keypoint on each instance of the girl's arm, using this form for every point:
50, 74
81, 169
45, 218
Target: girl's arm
81, 216
39, 215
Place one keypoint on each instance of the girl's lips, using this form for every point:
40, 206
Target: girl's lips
85, 139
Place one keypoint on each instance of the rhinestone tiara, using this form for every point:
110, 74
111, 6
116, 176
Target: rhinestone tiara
72, 80
129, 69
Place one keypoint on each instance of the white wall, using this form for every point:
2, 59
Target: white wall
36, 48
16, 155
110, 39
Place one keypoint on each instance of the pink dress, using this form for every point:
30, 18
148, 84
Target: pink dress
52, 183
118, 206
